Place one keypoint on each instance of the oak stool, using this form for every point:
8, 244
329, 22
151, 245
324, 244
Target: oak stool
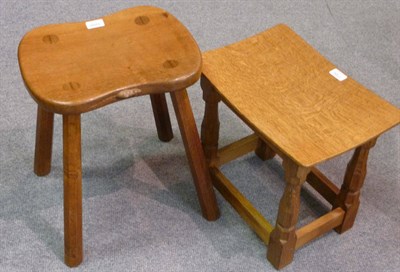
301, 107
74, 68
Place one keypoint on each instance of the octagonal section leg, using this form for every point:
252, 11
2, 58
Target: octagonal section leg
349, 195
210, 124
283, 238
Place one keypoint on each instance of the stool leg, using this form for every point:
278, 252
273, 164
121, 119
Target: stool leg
283, 238
349, 195
161, 116
73, 247
195, 155
44, 142
210, 124
263, 151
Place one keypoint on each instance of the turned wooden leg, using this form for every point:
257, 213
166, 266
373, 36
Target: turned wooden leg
283, 238
44, 142
73, 247
210, 124
161, 116
195, 155
349, 195
263, 151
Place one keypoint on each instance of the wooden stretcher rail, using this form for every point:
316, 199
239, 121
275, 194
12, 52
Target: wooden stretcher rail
323, 185
242, 205
249, 213
237, 149
319, 227
315, 178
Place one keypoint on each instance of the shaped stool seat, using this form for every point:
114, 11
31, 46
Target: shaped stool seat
301, 107
73, 68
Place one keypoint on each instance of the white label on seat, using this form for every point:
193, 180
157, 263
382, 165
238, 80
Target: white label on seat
338, 74
95, 24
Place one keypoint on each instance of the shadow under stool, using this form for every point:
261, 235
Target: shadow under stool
73, 68
302, 108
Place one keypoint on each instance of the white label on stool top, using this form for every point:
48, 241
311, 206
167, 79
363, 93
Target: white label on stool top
95, 24
338, 74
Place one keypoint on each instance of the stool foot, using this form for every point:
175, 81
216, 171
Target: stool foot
44, 142
195, 155
73, 246
283, 238
161, 117
349, 195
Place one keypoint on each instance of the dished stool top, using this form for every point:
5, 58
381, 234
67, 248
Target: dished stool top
283, 89
77, 67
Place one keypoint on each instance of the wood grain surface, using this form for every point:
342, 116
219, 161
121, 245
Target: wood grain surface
69, 68
281, 87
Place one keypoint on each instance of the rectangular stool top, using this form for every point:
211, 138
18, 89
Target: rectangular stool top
299, 101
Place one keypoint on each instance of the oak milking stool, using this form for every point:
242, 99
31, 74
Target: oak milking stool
302, 108
78, 67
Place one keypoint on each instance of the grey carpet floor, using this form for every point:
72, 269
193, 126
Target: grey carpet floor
140, 208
